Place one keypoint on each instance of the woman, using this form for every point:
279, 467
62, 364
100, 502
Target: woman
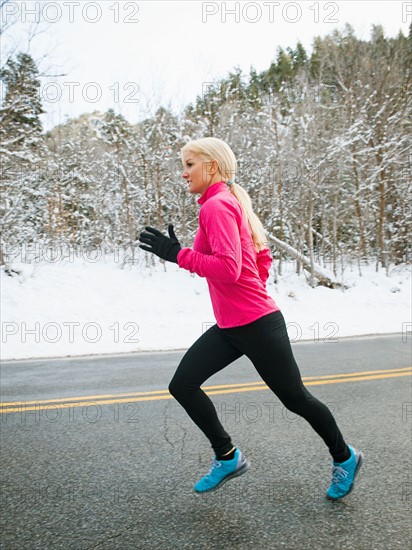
229, 251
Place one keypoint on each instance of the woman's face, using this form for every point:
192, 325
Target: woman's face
198, 173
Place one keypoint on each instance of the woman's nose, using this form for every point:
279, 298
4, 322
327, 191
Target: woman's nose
185, 175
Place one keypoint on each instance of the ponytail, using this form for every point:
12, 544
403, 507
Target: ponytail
255, 225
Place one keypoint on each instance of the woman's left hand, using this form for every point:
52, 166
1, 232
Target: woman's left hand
164, 247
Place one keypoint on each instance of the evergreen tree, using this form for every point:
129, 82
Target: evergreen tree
22, 153
20, 125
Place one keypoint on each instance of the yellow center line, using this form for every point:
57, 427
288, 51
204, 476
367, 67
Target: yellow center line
247, 384
322, 382
108, 399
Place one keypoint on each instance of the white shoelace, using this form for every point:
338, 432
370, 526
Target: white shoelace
215, 464
338, 473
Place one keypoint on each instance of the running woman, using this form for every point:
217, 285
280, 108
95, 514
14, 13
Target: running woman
230, 251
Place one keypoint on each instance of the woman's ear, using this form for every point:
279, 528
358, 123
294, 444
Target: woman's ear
211, 167
214, 167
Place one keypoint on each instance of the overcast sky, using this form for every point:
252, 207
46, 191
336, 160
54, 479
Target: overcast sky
134, 56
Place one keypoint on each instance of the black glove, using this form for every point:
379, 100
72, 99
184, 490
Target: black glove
162, 246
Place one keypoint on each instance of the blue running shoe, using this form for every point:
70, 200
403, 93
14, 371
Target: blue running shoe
221, 471
343, 475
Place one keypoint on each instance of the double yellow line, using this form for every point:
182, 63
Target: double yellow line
109, 399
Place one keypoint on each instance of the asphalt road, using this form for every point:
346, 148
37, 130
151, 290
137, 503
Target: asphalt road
97, 455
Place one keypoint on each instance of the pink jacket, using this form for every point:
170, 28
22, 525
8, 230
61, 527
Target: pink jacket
224, 253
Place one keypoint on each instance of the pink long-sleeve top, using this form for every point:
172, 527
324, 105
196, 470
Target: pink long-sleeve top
223, 253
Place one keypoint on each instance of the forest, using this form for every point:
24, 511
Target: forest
322, 141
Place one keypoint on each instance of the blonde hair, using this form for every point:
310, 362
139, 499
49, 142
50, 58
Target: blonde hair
210, 149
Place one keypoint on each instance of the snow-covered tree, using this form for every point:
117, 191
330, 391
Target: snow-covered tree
22, 153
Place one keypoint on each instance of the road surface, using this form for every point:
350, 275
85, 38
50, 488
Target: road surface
96, 454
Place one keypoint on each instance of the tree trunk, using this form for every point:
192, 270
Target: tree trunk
324, 276
310, 239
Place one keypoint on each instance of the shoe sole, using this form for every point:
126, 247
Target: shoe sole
358, 465
237, 473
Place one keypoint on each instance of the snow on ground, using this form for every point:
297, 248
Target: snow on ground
76, 307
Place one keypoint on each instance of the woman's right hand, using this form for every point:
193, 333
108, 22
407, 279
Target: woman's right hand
166, 248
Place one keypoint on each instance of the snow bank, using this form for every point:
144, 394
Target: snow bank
78, 307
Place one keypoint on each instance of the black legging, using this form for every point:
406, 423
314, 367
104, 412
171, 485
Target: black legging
266, 343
